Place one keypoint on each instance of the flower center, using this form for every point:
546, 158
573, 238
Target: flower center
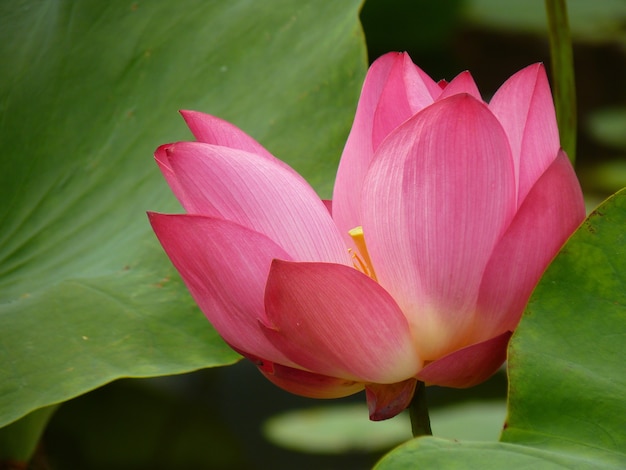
361, 258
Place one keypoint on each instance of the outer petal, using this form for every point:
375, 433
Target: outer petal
406, 89
256, 193
225, 267
213, 130
550, 213
462, 83
386, 401
336, 321
309, 384
524, 106
437, 198
468, 366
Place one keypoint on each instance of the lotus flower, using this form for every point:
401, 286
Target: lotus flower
446, 210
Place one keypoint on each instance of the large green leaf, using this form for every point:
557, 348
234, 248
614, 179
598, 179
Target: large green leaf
566, 366
87, 91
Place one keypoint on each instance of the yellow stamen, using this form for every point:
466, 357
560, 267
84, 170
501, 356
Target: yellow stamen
361, 259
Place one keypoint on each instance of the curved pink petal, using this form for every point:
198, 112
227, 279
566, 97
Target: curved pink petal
213, 130
309, 384
256, 193
550, 213
358, 150
162, 159
225, 267
462, 83
407, 90
524, 106
403, 89
437, 198
336, 321
387, 400
468, 366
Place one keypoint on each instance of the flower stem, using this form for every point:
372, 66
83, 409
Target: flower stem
562, 74
418, 410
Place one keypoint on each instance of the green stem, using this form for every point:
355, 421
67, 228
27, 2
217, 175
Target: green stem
418, 410
563, 74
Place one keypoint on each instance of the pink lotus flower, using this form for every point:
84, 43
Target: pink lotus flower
446, 211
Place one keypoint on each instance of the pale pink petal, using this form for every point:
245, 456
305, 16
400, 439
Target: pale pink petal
462, 83
438, 196
225, 267
524, 106
256, 193
358, 150
309, 384
387, 400
407, 91
468, 366
406, 88
550, 213
213, 130
336, 321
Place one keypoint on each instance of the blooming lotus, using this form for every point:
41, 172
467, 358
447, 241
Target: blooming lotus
446, 210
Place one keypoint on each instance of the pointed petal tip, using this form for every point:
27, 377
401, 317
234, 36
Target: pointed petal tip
158, 220
198, 118
191, 117
217, 131
534, 73
162, 152
463, 83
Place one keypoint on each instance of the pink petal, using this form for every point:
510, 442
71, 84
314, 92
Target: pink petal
402, 88
468, 366
387, 400
256, 193
524, 106
358, 150
550, 213
437, 198
333, 320
462, 83
407, 91
309, 384
225, 267
162, 159
213, 130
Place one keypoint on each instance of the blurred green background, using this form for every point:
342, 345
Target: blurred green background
231, 418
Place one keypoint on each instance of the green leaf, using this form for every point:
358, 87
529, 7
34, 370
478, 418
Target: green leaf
88, 90
335, 429
567, 374
472, 420
18, 440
